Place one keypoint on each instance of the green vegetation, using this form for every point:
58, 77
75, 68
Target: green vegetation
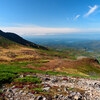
1, 92
6, 68
38, 89
70, 88
53, 53
17, 69
98, 58
24, 64
44, 61
74, 53
6, 77
59, 54
18, 62
90, 70
5, 42
31, 79
8, 72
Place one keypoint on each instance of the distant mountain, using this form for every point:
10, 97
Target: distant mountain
17, 39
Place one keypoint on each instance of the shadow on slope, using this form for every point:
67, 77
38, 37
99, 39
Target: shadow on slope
16, 38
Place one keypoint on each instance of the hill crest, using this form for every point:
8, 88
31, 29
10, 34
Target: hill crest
17, 39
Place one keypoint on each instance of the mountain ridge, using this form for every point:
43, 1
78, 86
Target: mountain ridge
18, 39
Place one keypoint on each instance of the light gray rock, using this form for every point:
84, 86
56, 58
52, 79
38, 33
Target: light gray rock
54, 81
72, 93
46, 88
39, 98
77, 97
65, 89
44, 98
56, 96
4, 90
59, 90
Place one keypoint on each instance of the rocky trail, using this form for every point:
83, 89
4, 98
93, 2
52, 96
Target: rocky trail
55, 87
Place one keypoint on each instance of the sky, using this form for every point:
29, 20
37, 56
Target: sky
50, 17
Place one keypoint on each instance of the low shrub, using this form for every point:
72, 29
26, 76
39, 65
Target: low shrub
7, 78
44, 61
31, 79
38, 89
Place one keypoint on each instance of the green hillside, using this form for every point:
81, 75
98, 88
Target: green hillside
5, 43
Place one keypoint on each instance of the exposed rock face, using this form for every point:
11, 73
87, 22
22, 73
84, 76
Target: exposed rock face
57, 88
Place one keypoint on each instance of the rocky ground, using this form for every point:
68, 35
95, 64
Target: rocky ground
54, 87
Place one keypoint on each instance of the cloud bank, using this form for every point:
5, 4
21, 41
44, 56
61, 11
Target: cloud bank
39, 30
29, 31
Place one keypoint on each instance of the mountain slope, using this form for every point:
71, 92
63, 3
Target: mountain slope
16, 38
58, 61
5, 43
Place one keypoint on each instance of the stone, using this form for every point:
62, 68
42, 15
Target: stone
39, 98
21, 76
46, 88
4, 90
65, 89
61, 96
72, 93
11, 99
21, 91
54, 81
56, 96
69, 98
47, 79
9, 96
10, 90
59, 90
76, 97
24, 93
44, 98
15, 90
90, 90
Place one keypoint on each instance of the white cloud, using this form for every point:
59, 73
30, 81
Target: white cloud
92, 9
33, 30
39, 30
76, 17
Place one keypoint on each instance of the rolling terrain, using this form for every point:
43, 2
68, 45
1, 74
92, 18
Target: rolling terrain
38, 73
65, 42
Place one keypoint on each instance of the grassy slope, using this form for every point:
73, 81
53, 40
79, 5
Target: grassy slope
27, 60
46, 61
26, 55
14, 69
6, 43
17, 39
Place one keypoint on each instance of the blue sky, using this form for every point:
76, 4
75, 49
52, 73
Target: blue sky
43, 17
